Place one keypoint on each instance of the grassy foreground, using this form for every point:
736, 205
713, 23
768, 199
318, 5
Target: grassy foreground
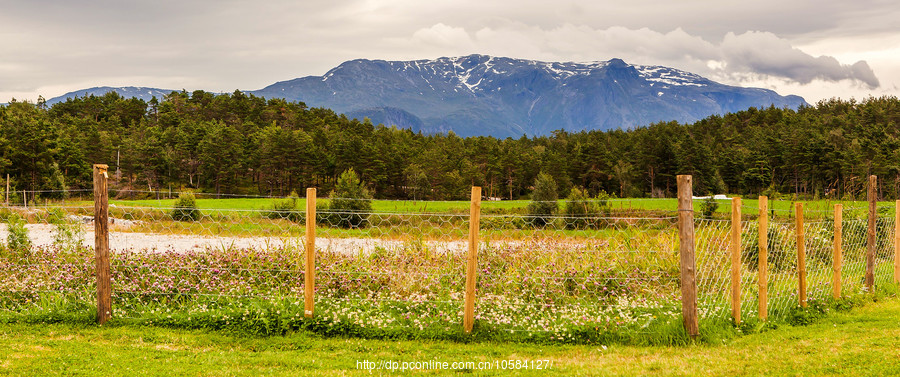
864, 341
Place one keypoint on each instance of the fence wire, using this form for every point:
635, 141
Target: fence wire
713, 248
711, 243
549, 276
557, 274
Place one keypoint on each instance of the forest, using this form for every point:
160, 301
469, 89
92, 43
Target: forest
247, 145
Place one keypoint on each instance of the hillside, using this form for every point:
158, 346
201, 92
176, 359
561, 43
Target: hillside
481, 95
502, 97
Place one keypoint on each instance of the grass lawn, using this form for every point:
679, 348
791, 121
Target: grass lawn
380, 206
750, 205
864, 341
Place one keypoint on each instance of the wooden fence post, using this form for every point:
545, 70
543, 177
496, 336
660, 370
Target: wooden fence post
309, 279
688, 263
801, 255
736, 260
472, 260
838, 258
870, 234
101, 244
763, 257
897, 242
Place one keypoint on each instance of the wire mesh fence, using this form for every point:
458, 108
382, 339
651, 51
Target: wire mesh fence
549, 276
558, 273
713, 265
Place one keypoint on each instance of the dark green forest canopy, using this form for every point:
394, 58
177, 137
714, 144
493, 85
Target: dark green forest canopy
242, 144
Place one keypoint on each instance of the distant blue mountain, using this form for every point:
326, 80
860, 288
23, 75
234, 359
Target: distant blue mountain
503, 97
125, 91
483, 95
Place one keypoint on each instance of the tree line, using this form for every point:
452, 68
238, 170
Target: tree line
242, 144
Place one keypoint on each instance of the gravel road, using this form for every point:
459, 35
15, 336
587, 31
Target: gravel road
42, 235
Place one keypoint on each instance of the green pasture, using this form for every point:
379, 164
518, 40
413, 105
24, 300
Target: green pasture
382, 206
750, 205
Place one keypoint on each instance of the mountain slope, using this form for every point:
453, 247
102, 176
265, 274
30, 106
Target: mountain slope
504, 97
478, 95
125, 91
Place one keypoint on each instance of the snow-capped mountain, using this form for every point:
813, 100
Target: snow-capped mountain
125, 91
483, 95
504, 97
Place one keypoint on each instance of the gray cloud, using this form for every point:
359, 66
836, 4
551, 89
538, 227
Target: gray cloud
861, 71
765, 53
54, 46
751, 54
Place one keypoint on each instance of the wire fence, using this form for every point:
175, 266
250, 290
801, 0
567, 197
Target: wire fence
544, 276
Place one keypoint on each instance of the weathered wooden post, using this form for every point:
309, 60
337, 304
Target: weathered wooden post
736, 260
897, 242
870, 233
838, 257
472, 260
763, 257
309, 279
801, 255
101, 244
688, 262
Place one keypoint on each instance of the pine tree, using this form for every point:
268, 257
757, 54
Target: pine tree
543, 200
350, 202
579, 209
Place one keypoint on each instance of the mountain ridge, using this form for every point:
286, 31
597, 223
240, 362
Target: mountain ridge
504, 97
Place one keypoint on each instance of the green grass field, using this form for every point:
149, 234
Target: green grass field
381, 206
750, 205
862, 342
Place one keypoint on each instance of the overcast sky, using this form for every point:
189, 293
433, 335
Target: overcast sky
816, 49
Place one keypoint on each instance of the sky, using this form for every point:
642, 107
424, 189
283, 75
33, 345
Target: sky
816, 49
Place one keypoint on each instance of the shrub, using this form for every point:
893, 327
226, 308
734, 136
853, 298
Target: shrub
350, 202
17, 240
579, 209
286, 209
186, 208
603, 205
772, 193
708, 207
543, 200
67, 234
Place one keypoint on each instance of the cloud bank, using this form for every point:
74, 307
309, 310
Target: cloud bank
766, 54
735, 58
816, 49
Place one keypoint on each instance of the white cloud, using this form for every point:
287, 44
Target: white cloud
766, 54
225, 44
443, 36
736, 58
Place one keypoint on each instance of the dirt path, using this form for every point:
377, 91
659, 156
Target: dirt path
42, 235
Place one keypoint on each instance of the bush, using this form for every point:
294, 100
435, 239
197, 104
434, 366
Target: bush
350, 202
543, 200
286, 209
603, 205
67, 234
708, 207
17, 240
186, 208
579, 208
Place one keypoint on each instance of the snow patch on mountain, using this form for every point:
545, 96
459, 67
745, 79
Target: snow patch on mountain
670, 76
506, 97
